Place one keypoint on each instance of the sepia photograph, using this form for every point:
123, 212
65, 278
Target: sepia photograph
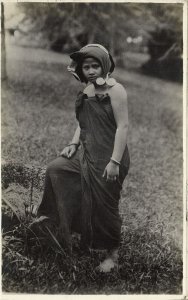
92, 144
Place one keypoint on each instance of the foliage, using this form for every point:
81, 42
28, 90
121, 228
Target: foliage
165, 49
3, 56
62, 28
64, 24
32, 264
23, 174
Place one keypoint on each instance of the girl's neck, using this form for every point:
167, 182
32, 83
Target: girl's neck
99, 89
91, 90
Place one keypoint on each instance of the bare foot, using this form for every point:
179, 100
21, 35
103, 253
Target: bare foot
107, 265
110, 262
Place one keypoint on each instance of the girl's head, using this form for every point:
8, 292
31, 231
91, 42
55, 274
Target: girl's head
91, 69
91, 62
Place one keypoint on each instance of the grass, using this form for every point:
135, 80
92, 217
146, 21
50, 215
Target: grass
38, 120
145, 265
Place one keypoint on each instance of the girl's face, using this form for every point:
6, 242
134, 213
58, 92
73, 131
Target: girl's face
91, 69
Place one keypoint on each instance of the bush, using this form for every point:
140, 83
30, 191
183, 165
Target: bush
165, 55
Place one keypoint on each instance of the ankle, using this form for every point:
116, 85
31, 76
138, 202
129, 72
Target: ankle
113, 254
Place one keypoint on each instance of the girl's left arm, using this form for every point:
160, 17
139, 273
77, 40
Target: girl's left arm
120, 110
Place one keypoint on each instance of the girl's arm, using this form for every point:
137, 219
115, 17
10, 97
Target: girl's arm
120, 110
76, 137
69, 150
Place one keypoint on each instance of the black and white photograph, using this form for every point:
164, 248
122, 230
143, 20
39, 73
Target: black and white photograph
92, 148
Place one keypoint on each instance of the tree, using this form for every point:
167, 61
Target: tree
67, 26
3, 49
165, 51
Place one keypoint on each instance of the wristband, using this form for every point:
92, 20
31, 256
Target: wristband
77, 145
115, 161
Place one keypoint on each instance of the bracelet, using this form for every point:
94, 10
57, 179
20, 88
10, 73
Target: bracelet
77, 145
115, 161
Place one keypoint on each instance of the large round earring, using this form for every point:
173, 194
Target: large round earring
111, 81
100, 81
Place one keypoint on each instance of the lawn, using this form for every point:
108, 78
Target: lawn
38, 120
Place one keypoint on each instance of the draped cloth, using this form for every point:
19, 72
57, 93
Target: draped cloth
75, 190
101, 224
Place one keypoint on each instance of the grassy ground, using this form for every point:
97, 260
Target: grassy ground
37, 122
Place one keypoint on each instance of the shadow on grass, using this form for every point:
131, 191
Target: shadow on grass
147, 264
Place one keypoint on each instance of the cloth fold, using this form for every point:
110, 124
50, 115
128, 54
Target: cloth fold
76, 194
100, 199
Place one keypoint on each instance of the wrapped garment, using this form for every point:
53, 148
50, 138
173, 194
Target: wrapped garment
76, 195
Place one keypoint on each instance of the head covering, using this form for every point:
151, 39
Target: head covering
96, 51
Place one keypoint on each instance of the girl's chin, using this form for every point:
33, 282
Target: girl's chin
92, 80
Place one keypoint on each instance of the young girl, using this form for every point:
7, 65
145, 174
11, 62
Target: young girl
82, 186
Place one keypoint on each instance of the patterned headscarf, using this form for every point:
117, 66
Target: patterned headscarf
91, 50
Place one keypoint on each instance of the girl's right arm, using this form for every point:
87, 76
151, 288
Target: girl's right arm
76, 137
72, 147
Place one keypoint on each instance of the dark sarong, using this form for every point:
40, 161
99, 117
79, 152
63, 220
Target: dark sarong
80, 197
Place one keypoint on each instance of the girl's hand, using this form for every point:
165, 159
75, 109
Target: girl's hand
69, 151
111, 172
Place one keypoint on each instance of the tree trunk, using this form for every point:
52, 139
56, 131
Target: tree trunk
3, 50
112, 33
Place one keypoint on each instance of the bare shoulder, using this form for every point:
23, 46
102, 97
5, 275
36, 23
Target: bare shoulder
89, 90
119, 103
118, 91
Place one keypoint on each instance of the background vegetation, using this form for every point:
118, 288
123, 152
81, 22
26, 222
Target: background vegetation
38, 120
64, 25
121, 27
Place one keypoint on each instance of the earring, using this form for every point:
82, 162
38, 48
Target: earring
109, 81
100, 81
